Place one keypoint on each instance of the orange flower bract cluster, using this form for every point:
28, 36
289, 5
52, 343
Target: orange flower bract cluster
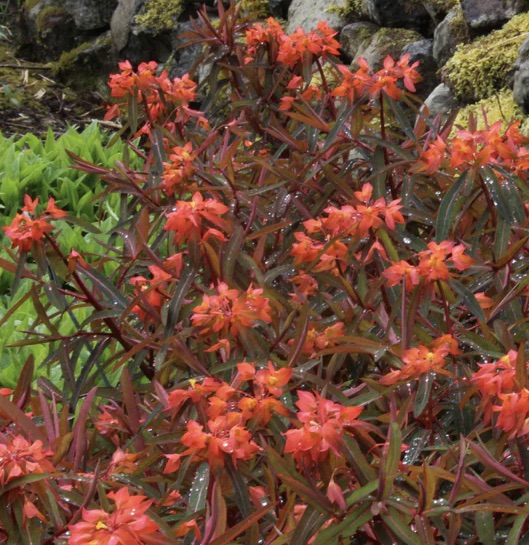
474, 149
423, 359
27, 229
230, 310
18, 458
295, 47
501, 394
324, 423
432, 265
127, 525
339, 223
230, 409
356, 84
160, 95
150, 293
186, 220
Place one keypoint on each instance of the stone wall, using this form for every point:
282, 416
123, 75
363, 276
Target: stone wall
470, 51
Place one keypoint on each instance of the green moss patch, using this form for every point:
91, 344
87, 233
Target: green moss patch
160, 15
479, 69
499, 107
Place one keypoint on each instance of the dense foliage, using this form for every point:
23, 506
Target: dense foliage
307, 324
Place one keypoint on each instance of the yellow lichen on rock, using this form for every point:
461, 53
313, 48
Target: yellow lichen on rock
159, 15
479, 69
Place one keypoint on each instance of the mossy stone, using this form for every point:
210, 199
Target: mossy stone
159, 15
477, 70
499, 107
386, 41
255, 9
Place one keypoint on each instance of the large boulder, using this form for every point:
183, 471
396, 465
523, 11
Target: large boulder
521, 77
386, 41
452, 31
307, 13
86, 66
487, 14
410, 14
91, 14
49, 28
422, 51
355, 36
441, 101
479, 69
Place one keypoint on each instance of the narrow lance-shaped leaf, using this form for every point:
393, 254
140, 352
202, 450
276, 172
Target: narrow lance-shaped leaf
448, 208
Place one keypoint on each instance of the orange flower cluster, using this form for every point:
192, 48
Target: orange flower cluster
293, 48
423, 359
317, 339
231, 310
179, 168
348, 220
432, 266
27, 229
501, 394
467, 150
127, 525
226, 435
229, 409
324, 423
356, 84
150, 293
311, 92
157, 93
19, 458
187, 217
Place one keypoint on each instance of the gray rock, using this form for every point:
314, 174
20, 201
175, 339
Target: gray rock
521, 87
121, 22
87, 66
50, 28
91, 14
409, 14
486, 14
441, 101
279, 8
422, 51
386, 41
356, 35
183, 58
523, 54
452, 31
307, 13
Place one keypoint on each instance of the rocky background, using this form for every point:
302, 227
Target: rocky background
471, 52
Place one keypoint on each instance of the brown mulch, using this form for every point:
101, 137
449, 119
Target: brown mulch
32, 101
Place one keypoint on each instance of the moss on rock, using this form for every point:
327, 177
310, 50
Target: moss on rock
255, 9
477, 70
386, 41
160, 15
83, 66
352, 11
49, 17
499, 107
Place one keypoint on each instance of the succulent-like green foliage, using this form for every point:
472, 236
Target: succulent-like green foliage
482, 67
160, 15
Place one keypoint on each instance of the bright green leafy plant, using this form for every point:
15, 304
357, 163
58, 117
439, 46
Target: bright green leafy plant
316, 308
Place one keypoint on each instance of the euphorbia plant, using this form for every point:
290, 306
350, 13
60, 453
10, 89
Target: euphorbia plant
316, 310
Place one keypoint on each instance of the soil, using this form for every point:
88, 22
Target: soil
32, 101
